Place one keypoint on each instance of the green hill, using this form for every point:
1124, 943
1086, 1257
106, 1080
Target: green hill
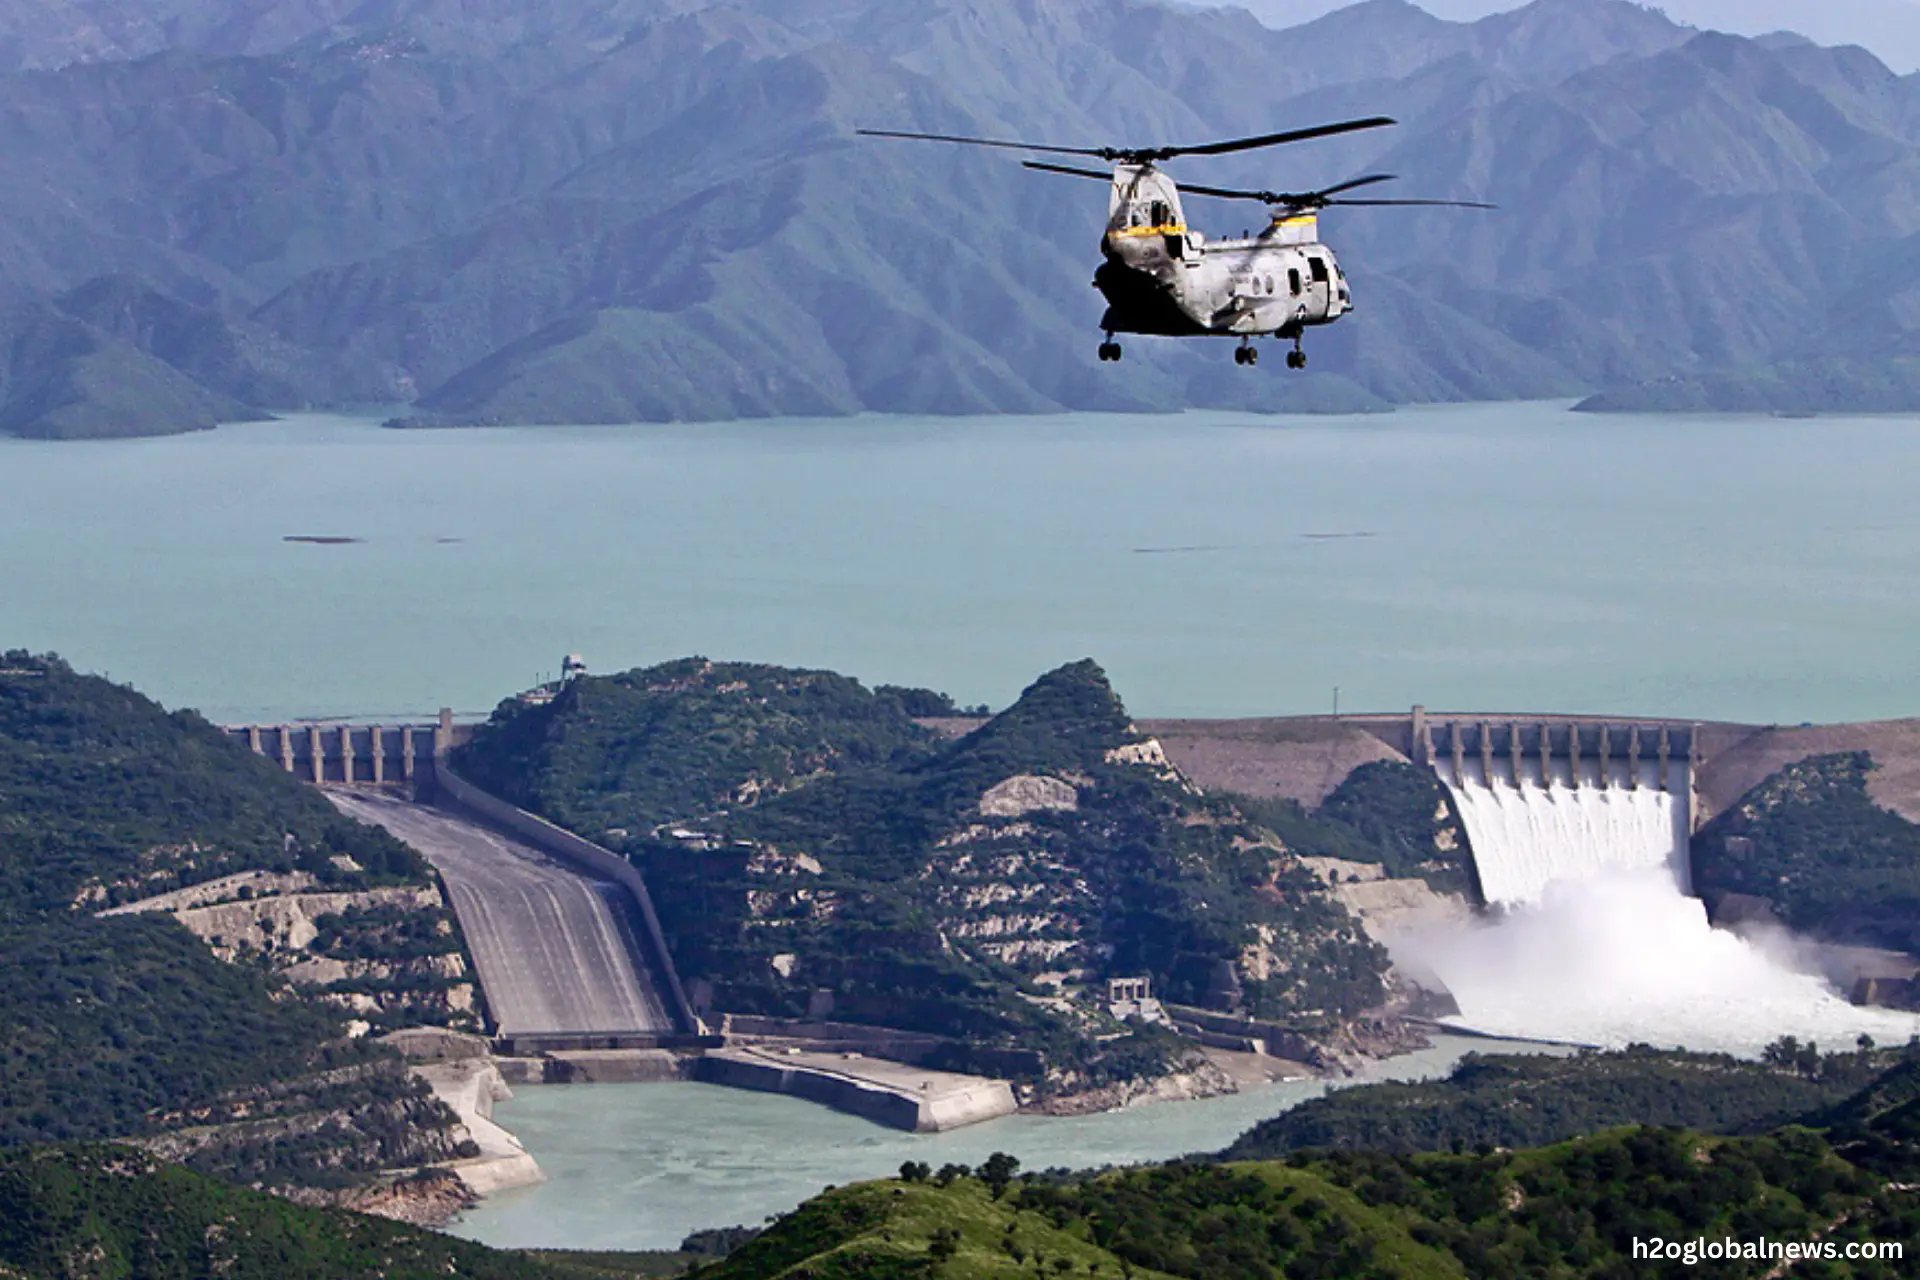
1551, 1213
105, 1212
128, 1025
811, 849
1522, 1101
1812, 842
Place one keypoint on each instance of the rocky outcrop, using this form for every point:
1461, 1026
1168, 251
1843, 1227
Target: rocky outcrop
355, 948
1025, 793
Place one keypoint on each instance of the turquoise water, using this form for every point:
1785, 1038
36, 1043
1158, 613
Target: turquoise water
1474, 557
639, 1166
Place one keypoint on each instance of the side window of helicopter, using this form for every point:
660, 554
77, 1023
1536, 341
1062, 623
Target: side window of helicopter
1293, 280
1269, 286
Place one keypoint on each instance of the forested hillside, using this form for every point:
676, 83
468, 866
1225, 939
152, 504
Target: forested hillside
646, 209
804, 840
127, 1025
1511, 1100
115, 1211
1813, 845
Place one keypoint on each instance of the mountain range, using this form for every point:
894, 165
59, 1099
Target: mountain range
611, 210
1890, 29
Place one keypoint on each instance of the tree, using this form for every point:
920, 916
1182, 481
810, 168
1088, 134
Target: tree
998, 1171
915, 1171
948, 1172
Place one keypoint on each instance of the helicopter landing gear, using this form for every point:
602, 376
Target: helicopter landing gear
1246, 353
1297, 358
1110, 350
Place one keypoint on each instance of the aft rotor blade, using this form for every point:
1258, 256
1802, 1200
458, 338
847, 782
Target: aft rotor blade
1352, 183
1275, 139
1228, 193
1044, 167
1294, 199
986, 142
1436, 204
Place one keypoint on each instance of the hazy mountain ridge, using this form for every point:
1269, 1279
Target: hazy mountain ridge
655, 210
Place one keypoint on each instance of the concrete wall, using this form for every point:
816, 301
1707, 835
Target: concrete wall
936, 1110
590, 858
380, 755
1630, 753
1218, 1028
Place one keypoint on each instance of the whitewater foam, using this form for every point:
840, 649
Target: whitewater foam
1595, 940
1528, 833
1624, 956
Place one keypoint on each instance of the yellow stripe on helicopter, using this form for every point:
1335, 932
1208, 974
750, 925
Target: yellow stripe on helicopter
1171, 229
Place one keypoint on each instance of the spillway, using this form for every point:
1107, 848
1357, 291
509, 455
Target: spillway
1565, 820
1579, 833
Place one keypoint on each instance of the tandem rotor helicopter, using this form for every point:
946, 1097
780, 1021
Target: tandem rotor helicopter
1162, 277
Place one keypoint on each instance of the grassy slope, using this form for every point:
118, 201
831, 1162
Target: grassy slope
1552, 1213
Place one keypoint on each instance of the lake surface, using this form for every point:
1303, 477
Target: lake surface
1513, 557
639, 1166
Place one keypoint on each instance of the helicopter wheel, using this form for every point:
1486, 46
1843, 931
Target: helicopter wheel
1110, 351
1246, 355
1296, 359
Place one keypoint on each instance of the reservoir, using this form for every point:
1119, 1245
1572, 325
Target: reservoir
639, 1166
1480, 557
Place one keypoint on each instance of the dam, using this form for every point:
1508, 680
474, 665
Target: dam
1566, 800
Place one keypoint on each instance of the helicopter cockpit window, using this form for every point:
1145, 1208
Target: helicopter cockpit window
1161, 214
1319, 268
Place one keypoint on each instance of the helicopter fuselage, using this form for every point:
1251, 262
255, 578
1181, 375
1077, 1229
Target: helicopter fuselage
1160, 276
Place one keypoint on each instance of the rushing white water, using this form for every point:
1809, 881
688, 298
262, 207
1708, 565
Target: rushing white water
1625, 956
1547, 828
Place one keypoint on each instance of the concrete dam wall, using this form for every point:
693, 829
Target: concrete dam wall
378, 755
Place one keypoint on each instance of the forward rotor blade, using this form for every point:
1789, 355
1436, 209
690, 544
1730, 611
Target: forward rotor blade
1148, 155
985, 142
1044, 167
1275, 139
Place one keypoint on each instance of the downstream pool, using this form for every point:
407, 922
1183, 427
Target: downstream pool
639, 1166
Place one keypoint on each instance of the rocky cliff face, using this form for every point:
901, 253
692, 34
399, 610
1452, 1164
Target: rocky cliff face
389, 956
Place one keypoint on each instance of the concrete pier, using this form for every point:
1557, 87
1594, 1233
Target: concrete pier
890, 1093
337, 754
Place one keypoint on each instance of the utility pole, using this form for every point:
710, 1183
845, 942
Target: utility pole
1336, 702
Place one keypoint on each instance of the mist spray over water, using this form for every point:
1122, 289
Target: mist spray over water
1596, 940
1624, 956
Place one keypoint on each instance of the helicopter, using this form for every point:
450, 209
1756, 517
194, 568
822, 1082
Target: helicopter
1161, 276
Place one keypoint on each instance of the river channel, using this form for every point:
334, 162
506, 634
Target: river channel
639, 1166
